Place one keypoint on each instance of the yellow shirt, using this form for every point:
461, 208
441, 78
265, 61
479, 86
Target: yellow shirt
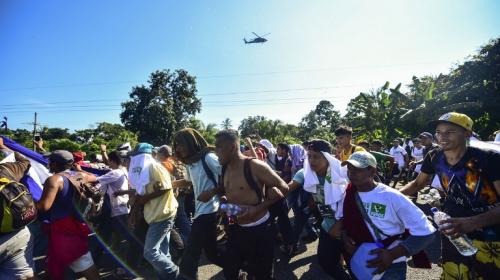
165, 206
344, 155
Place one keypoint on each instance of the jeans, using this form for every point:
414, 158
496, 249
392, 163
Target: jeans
16, 254
203, 236
397, 271
298, 200
156, 249
182, 221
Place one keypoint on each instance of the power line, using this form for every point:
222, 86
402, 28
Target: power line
114, 108
242, 102
87, 84
201, 96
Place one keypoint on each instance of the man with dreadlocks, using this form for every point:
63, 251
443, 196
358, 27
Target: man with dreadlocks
202, 172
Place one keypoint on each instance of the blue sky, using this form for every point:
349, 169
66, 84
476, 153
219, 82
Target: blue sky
74, 62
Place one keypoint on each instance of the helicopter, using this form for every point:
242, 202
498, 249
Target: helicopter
258, 39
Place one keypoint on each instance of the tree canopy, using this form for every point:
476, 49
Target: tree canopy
163, 107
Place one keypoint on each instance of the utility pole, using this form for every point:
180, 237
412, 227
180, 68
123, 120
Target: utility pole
34, 131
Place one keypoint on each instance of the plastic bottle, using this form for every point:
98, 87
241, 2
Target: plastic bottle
463, 243
232, 211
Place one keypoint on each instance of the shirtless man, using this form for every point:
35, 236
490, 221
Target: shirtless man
251, 237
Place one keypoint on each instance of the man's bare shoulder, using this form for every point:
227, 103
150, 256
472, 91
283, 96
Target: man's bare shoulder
260, 166
55, 180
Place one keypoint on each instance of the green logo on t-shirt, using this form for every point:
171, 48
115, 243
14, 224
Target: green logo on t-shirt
377, 210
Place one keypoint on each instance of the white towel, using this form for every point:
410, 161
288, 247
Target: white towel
138, 172
334, 188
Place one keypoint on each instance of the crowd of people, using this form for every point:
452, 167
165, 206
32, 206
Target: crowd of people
162, 207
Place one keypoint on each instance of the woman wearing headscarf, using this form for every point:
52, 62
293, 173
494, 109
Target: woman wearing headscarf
202, 172
321, 177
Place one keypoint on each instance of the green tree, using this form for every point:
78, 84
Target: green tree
320, 122
163, 107
207, 131
54, 133
472, 88
377, 114
226, 124
63, 144
274, 130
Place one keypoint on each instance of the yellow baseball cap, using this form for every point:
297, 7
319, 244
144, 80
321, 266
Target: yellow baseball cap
455, 118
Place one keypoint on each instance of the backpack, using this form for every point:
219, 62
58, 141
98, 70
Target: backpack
87, 198
17, 206
208, 171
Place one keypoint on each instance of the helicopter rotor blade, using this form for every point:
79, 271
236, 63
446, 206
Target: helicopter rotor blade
255, 34
265, 35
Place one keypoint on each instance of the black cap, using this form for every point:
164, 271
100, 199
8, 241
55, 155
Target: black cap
319, 145
59, 156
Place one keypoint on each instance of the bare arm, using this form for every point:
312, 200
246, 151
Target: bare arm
275, 188
182, 183
390, 160
105, 157
293, 186
423, 179
50, 189
87, 176
250, 146
267, 177
18, 168
39, 146
143, 199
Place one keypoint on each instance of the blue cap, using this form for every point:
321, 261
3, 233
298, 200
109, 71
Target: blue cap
143, 148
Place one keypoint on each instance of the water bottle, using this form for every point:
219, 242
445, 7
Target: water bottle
232, 210
462, 243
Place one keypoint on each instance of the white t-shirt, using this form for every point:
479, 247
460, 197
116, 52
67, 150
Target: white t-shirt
398, 154
418, 154
392, 213
116, 180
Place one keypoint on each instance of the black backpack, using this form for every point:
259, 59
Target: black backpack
17, 206
208, 171
247, 173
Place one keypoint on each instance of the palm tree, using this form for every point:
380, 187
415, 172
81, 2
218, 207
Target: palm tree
226, 124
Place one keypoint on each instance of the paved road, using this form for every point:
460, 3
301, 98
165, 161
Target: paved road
305, 266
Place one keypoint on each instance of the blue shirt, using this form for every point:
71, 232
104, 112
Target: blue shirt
195, 173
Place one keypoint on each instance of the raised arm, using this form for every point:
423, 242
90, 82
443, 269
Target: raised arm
267, 177
422, 180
